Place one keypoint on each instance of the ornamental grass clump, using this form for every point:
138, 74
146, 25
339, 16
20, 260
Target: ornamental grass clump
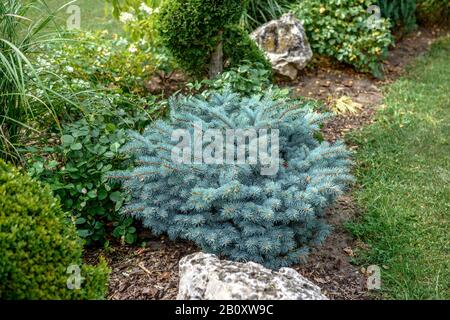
270, 211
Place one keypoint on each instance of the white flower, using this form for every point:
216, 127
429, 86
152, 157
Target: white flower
126, 17
132, 48
69, 69
145, 8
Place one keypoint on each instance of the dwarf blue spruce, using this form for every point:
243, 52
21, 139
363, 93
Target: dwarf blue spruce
232, 209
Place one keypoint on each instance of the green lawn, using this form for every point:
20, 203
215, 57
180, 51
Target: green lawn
404, 183
95, 15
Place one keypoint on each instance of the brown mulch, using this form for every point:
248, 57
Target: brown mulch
143, 273
152, 272
329, 265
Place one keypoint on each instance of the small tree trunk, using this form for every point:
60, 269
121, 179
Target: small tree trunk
216, 64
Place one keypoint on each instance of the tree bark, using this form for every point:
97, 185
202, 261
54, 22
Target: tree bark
216, 64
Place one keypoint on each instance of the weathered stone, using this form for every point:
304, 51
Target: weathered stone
205, 277
286, 45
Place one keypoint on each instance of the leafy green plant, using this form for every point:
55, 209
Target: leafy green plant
98, 83
343, 29
139, 20
38, 243
161, 23
138, 17
75, 168
18, 105
401, 13
248, 79
99, 60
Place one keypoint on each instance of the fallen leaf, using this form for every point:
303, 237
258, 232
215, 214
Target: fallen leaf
349, 251
345, 104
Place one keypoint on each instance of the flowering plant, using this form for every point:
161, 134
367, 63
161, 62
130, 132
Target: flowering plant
138, 17
96, 60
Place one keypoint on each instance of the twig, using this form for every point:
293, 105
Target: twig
141, 265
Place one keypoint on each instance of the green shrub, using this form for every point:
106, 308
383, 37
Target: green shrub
88, 149
100, 59
38, 243
75, 168
343, 29
431, 12
138, 17
248, 79
104, 101
401, 13
191, 30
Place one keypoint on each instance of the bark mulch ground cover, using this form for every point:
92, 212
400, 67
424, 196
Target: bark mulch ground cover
151, 272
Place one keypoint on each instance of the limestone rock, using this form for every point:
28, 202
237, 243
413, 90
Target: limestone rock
205, 277
285, 44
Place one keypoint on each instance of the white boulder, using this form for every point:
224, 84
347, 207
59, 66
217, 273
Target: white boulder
205, 277
285, 44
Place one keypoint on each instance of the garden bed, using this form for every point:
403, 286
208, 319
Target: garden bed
151, 272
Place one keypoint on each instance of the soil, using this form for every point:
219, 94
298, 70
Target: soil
144, 273
151, 272
329, 266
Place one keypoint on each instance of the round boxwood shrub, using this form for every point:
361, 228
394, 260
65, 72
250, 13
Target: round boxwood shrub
192, 29
38, 243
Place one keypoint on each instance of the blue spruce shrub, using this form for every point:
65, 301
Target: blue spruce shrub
232, 209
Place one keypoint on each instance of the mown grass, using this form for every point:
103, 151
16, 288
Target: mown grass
95, 15
403, 170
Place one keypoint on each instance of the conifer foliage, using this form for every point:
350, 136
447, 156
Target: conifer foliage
232, 209
195, 31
